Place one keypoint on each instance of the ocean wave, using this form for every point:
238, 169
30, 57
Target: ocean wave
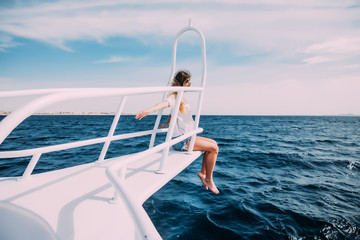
279, 177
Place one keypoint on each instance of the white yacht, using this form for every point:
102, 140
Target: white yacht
102, 199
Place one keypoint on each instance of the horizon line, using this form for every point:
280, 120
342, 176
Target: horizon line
6, 113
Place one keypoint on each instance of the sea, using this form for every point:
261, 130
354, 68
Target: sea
279, 177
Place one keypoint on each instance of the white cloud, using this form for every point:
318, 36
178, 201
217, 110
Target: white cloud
352, 66
285, 97
113, 59
266, 28
344, 45
318, 59
314, 33
340, 49
117, 59
7, 42
66, 5
284, 89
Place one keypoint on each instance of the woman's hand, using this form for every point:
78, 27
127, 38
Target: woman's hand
164, 125
142, 114
157, 107
167, 122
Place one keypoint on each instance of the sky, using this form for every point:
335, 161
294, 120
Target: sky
273, 57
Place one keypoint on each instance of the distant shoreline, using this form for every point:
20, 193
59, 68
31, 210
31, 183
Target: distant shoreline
2, 113
68, 113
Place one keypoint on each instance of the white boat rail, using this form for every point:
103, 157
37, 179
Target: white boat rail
115, 172
203, 81
15, 118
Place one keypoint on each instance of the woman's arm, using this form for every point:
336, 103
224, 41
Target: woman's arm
167, 123
155, 108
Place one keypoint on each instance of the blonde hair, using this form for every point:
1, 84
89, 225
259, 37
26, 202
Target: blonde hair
181, 78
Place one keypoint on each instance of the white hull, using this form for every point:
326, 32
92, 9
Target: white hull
99, 200
75, 203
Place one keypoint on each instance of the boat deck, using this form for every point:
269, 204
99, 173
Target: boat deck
73, 203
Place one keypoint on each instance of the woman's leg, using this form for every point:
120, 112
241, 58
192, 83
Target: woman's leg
207, 139
203, 167
209, 159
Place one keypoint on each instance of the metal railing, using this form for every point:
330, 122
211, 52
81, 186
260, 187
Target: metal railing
115, 172
15, 118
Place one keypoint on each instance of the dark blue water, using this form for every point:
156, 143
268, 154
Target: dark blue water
279, 177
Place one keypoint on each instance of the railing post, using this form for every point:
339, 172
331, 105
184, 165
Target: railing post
142, 221
204, 70
112, 129
156, 126
170, 132
30, 168
157, 123
197, 120
121, 175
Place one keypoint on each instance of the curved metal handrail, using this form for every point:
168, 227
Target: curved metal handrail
203, 52
52, 96
112, 171
137, 212
9, 123
142, 220
203, 80
55, 96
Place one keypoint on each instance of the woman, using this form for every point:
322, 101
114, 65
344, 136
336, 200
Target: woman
184, 124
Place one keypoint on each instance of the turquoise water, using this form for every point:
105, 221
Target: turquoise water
279, 177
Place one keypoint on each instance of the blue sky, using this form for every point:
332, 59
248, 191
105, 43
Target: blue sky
279, 57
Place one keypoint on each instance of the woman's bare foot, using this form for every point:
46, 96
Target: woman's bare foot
202, 178
210, 184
